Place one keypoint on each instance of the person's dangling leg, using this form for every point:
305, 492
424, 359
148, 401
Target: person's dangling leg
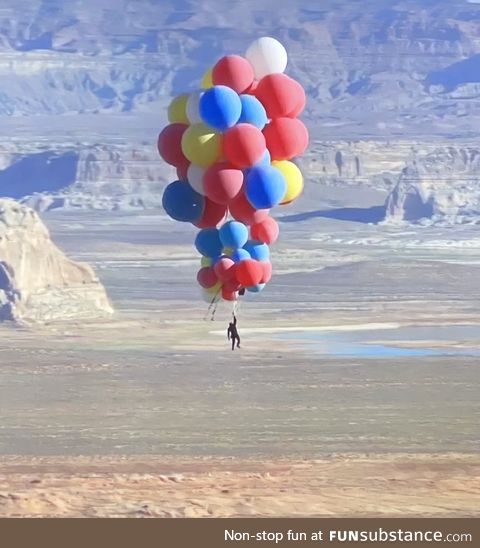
238, 341
233, 343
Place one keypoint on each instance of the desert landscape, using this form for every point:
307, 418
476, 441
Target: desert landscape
355, 392
365, 388
347, 486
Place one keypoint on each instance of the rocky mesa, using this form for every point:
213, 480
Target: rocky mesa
38, 283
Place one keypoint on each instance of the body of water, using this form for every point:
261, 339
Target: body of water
403, 342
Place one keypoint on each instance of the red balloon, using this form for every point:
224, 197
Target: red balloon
206, 277
229, 295
224, 269
279, 94
170, 144
266, 272
182, 171
243, 211
249, 272
222, 182
301, 102
232, 285
253, 88
213, 215
286, 138
243, 145
233, 71
265, 231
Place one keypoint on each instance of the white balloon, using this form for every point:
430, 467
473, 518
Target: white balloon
193, 107
195, 178
267, 56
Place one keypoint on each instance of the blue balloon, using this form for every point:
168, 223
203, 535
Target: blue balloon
265, 187
220, 107
265, 160
258, 250
208, 242
240, 255
253, 112
234, 234
256, 288
182, 203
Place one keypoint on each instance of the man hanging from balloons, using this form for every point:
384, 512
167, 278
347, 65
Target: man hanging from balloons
232, 143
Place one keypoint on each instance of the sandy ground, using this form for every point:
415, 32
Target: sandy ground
402, 485
260, 432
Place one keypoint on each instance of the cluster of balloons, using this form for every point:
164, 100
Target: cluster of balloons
232, 143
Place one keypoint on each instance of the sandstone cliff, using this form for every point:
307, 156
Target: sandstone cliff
441, 186
37, 281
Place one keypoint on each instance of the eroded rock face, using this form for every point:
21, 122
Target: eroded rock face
443, 185
112, 177
365, 63
37, 281
105, 177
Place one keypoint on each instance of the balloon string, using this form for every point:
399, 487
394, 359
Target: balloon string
213, 302
214, 310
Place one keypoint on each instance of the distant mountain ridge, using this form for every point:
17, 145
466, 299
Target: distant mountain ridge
84, 87
377, 66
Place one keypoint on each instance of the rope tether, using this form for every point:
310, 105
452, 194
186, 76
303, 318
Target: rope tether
214, 304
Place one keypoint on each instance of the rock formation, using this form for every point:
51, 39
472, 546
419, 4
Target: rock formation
38, 283
84, 177
443, 185
374, 67
86, 93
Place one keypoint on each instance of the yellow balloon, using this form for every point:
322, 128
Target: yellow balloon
293, 177
206, 261
209, 297
201, 145
227, 251
207, 81
215, 289
177, 110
